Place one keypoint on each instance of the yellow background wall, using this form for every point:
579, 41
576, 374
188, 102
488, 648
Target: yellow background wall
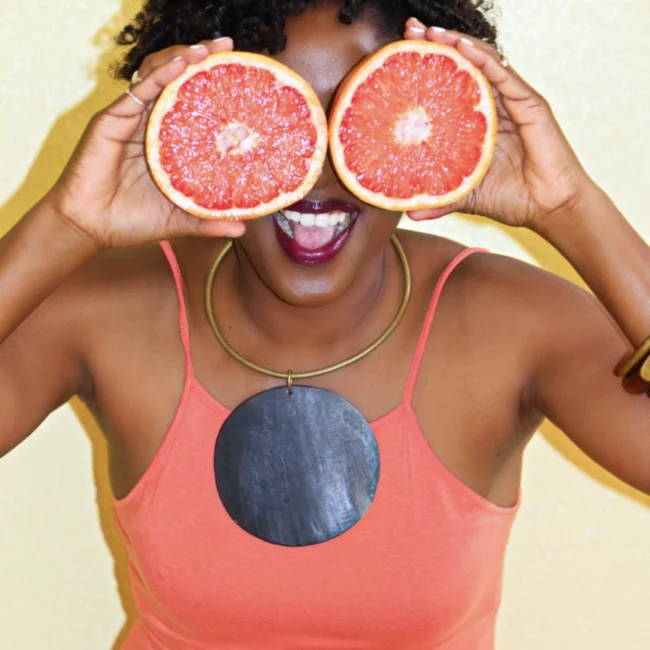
579, 564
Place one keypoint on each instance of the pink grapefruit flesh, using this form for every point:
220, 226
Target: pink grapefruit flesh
237, 136
413, 127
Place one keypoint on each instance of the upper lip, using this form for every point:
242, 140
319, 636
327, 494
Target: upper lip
320, 206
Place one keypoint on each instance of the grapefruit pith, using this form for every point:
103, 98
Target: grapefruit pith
237, 136
414, 126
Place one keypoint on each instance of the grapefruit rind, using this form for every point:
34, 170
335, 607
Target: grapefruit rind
343, 99
286, 77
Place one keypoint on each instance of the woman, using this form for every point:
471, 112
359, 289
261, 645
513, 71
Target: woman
453, 395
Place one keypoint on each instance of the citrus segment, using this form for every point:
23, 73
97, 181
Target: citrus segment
414, 127
236, 136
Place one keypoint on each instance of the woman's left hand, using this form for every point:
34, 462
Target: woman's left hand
534, 172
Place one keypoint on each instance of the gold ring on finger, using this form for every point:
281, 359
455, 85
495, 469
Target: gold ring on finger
136, 78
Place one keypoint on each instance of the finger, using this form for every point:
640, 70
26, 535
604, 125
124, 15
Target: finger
147, 90
158, 59
457, 39
223, 44
414, 29
429, 214
466, 205
191, 53
189, 225
414, 33
415, 23
214, 228
525, 106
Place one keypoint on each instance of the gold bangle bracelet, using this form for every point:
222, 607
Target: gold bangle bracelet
640, 357
644, 371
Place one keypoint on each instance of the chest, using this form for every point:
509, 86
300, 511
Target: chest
465, 391
424, 563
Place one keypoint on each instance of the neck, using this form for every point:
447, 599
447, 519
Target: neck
344, 325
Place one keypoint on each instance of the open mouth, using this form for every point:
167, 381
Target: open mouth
313, 232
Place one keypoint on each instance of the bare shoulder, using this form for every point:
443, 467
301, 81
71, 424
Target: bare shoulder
494, 283
119, 295
535, 300
114, 281
508, 302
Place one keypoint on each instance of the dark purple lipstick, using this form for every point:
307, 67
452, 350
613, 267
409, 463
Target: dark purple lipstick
306, 237
307, 206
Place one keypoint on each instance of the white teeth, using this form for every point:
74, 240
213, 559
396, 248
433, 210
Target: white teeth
292, 216
318, 220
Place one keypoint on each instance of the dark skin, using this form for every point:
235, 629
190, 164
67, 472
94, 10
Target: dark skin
511, 344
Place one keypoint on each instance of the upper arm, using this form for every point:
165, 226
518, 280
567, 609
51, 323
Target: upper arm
577, 345
41, 365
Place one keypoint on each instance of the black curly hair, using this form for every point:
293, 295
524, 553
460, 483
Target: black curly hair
258, 25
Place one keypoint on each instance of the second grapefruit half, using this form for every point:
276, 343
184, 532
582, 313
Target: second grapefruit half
236, 136
413, 127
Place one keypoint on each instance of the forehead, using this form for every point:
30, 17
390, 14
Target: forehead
323, 50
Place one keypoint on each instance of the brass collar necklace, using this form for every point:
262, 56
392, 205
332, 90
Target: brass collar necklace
297, 465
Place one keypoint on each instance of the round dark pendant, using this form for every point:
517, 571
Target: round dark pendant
296, 469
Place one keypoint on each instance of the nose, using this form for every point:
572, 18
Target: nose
328, 177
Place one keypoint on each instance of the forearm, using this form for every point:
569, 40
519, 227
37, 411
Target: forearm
36, 256
609, 255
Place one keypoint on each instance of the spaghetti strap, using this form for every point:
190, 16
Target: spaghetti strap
428, 321
182, 309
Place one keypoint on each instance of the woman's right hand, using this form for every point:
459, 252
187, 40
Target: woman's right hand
106, 191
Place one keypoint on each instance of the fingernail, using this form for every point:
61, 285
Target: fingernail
418, 30
197, 46
222, 38
467, 41
439, 29
176, 58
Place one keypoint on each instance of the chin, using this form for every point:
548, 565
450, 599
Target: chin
311, 253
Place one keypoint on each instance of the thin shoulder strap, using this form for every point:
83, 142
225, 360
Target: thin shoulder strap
182, 309
428, 321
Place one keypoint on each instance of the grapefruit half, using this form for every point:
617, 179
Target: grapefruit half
237, 136
413, 127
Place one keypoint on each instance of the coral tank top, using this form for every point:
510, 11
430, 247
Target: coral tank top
422, 570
